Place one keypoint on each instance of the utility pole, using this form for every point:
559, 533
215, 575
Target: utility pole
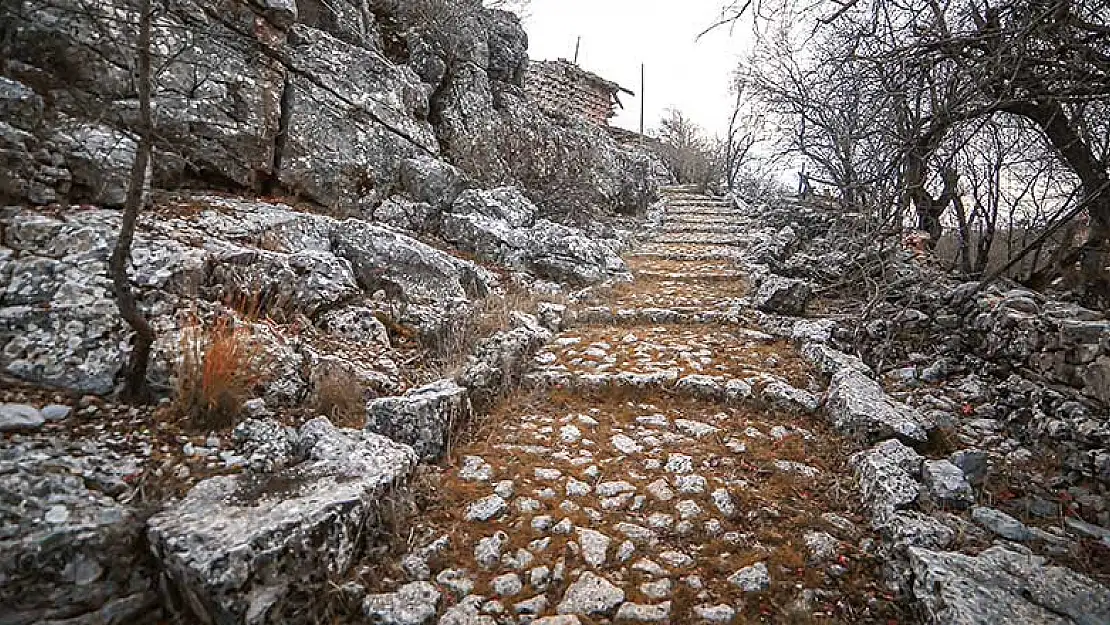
577, 45
641, 98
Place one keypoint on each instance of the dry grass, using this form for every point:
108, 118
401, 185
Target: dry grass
218, 369
341, 396
447, 353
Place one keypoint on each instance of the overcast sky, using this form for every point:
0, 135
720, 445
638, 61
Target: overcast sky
618, 35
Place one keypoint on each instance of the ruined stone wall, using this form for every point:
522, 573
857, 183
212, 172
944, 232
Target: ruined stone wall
562, 87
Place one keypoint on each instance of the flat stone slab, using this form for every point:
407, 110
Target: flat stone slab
236, 545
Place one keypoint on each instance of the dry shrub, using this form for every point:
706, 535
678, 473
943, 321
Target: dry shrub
219, 368
341, 397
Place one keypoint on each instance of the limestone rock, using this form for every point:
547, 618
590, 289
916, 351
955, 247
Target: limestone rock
783, 295
237, 544
591, 595
422, 417
19, 417
1003, 586
413, 604
946, 483
754, 578
858, 406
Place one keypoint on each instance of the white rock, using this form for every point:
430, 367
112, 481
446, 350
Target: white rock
660, 490
754, 578
625, 444
591, 595
641, 613
678, 463
486, 508
475, 469
595, 546
507, 585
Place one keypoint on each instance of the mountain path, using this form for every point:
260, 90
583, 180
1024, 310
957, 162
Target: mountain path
660, 469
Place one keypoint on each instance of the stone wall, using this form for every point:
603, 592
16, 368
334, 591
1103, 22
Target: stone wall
563, 87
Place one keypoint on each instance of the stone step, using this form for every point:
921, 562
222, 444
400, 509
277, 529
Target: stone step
703, 210
707, 254
605, 315
763, 388
702, 229
716, 276
716, 220
703, 239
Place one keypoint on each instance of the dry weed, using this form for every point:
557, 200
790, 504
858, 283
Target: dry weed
218, 369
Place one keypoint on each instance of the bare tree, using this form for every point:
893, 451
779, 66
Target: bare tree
688, 151
135, 379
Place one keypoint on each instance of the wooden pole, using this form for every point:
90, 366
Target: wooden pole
641, 98
577, 45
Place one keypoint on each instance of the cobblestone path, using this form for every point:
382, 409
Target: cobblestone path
665, 466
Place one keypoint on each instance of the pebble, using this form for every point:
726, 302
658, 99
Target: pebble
625, 445
754, 578
611, 489
722, 613
504, 489
475, 469
595, 546
676, 559
688, 509
691, 484
488, 550
539, 577
640, 613
591, 595
660, 490
658, 589
486, 508
457, 581
678, 463
547, 474
577, 488
507, 585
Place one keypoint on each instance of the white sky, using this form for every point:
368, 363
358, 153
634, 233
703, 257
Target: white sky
618, 35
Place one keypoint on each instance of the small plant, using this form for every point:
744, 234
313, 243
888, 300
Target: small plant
219, 368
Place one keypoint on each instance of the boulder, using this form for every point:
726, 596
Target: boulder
19, 417
886, 476
237, 547
828, 360
786, 296
858, 406
404, 214
432, 181
408, 270
1004, 586
946, 484
422, 418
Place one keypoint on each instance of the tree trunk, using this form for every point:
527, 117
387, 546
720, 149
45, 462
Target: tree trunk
1095, 183
135, 377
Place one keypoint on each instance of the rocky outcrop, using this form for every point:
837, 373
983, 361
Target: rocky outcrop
58, 321
238, 547
323, 100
